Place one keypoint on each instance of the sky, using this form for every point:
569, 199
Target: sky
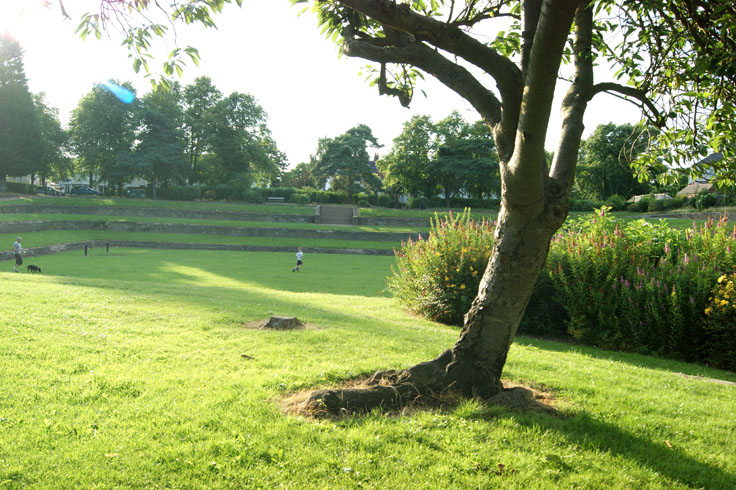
265, 49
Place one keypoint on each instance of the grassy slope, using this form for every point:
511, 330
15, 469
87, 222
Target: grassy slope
212, 222
150, 203
126, 371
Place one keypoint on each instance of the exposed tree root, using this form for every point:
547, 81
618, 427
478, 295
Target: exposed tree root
395, 390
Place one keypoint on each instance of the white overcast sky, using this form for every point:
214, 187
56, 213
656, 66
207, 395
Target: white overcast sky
264, 49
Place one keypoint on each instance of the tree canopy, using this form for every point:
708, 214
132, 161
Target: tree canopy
345, 159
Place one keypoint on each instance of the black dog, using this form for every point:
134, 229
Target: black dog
34, 268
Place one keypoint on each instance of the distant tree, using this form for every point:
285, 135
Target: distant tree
55, 161
604, 162
346, 160
463, 158
405, 166
300, 176
159, 155
20, 128
237, 125
485, 179
200, 97
272, 163
102, 131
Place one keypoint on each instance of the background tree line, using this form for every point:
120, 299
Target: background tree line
170, 136
194, 134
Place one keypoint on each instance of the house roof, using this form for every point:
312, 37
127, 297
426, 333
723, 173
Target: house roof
694, 188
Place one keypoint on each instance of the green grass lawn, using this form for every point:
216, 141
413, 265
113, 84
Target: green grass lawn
42, 238
156, 203
127, 371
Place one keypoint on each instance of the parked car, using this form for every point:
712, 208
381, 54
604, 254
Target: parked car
133, 192
49, 191
83, 191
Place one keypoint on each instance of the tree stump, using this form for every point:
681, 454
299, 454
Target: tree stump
283, 323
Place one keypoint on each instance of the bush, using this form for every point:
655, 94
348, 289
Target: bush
253, 196
363, 204
639, 287
438, 277
180, 193
20, 188
300, 198
209, 194
705, 200
616, 202
384, 201
656, 205
229, 192
720, 324
581, 205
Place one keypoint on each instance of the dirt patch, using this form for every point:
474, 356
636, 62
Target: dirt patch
259, 325
515, 397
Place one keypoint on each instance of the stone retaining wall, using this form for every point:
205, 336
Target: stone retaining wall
388, 221
102, 244
19, 227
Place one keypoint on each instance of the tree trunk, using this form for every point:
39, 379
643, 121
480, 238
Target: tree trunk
473, 366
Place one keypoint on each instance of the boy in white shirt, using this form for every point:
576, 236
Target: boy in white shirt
299, 256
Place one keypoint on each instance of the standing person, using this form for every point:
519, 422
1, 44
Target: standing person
18, 250
299, 256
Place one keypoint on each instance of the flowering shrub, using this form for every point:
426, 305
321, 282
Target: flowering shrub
720, 323
633, 286
438, 277
637, 286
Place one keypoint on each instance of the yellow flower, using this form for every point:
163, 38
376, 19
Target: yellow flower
462, 286
708, 311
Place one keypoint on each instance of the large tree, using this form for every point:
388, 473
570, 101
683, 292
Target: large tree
102, 131
20, 127
674, 58
200, 97
405, 166
463, 158
159, 154
53, 145
345, 160
604, 163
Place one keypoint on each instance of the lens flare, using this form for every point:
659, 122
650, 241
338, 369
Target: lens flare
123, 94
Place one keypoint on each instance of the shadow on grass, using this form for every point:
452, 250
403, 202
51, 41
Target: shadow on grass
594, 435
638, 360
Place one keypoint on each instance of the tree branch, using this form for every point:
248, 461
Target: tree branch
632, 92
575, 102
452, 39
431, 61
530, 14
